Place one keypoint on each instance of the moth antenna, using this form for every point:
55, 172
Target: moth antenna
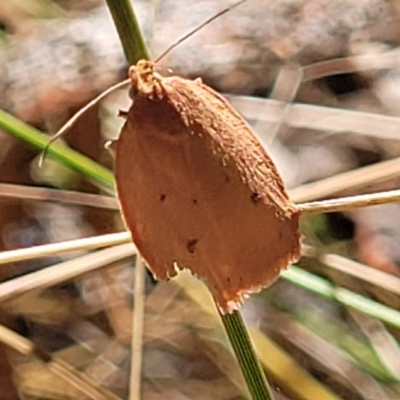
192, 32
71, 122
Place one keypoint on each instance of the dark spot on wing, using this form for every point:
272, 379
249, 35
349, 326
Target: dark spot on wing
255, 198
194, 201
191, 245
163, 197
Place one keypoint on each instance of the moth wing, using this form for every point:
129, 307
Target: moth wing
188, 202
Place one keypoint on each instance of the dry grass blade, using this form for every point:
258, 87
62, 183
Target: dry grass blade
348, 203
80, 381
360, 271
285, 90
328, 119
137, 331
334, 120
346, 181
49, 250
23, 192
366, 62
179, 330
384, 344
15, 341
332, 360
301, 383
65, 271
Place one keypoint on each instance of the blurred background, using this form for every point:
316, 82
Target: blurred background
319, 82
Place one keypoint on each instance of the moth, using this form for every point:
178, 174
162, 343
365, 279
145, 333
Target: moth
198, 190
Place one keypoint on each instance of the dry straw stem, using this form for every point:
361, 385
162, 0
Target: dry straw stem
318, 118
135, 49
24, 192
80, 381
291, 76
349, 203
54, 249
351, 180
137, 331
280, 108
337, 262
381, 340
360, 271
65, 271
372, 60
326, 354
60, 368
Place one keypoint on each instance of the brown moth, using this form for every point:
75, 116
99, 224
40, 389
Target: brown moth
198, 190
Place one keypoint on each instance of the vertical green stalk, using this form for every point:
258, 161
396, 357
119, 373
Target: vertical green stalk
245, 354
135, 49
128, 30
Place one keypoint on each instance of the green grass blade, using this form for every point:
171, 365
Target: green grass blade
345, 297
61, 153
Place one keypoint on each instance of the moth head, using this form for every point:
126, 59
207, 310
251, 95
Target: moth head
145, 81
